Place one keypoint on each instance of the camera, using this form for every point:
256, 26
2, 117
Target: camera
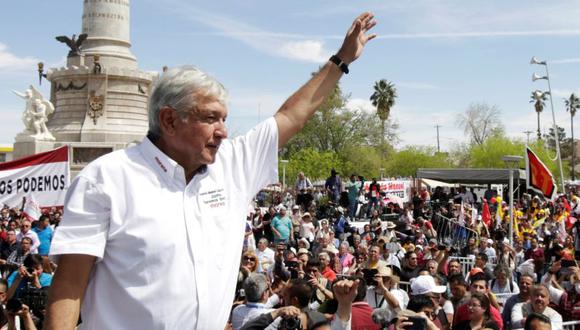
291, 323
369, 276
35, 298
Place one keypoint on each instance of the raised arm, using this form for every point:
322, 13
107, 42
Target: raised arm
67, 291
299, 107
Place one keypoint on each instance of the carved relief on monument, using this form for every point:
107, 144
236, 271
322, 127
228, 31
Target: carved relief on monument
85, 155
71, 85
96, 106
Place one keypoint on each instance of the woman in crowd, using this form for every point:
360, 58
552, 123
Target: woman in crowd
479, 314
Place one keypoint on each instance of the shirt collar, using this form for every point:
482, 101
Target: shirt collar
160, 161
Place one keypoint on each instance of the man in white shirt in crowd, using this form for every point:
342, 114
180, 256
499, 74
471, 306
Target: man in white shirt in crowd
265, 255
538, 303
120, 253
26, 231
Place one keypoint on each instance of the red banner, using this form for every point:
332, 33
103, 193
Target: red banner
539, 177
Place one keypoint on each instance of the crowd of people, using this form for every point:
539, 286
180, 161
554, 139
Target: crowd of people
408, 273
25, 268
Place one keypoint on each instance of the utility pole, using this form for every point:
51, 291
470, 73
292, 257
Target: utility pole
437, 127
528, 136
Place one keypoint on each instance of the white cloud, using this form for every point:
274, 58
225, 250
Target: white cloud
361, 105
566, 61
480, 34
272, 43
13, 63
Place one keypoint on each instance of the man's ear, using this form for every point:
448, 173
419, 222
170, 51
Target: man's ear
167, 117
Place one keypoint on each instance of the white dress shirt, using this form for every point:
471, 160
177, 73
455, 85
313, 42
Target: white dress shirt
168, 251
33, 236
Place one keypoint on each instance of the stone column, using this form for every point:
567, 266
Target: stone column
107, 25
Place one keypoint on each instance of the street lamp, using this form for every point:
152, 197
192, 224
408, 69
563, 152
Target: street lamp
382, 170
284, 162
512, 162
535, 77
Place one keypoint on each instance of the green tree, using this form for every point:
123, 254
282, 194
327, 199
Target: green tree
335, 127
480, 121
315, 164
383, 98
551, 141
490, 153
572, 105
406, 161
539, 99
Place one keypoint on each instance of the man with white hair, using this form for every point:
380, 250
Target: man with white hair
265, 255
121, 253
257, 303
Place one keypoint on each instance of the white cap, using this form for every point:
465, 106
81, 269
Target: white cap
489, 241
425, 284
340, 209
296, 207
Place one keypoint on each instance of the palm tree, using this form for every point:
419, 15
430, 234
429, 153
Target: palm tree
572, 105
539, 98
384, 98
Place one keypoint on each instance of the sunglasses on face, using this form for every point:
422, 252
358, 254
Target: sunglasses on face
246, 258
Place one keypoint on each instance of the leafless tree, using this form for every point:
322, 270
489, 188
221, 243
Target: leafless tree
480, 121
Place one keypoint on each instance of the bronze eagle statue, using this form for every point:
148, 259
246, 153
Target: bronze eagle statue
73, 43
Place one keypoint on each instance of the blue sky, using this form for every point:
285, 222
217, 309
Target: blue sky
441, 55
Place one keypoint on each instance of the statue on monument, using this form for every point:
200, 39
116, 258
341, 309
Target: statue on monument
36, 112
73, 43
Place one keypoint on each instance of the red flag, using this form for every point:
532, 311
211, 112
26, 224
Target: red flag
539, 177
485, 214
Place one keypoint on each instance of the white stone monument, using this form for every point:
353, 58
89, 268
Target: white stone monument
100, 98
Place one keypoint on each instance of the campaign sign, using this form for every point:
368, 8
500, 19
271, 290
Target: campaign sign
45, 176
399, 188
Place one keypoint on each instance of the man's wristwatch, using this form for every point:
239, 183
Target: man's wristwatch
341, 65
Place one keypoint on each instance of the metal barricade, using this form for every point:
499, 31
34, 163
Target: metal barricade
405, 286
465, 262
571, 325
451, 233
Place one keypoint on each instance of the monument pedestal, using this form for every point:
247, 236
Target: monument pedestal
26, 146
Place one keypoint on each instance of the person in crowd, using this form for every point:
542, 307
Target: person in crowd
367, 234
374, 260
257, 225
16, 258
503, 282
537, 321
479, 309
526, 284
384, 293
322, 286
453, 268
333, 186
361, 310
459, 290
486, 246
325, 268
267, 223
258, 300
471, 248
302, 185
30, 274
296, 296
7, 247
346, 259
353, 187
538, 303
282, 227
410, 266
340, 222
419, 306
296, 218
307, 229
44, 233
374, 195
26, 231
265, 255
481, 262
478, 284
